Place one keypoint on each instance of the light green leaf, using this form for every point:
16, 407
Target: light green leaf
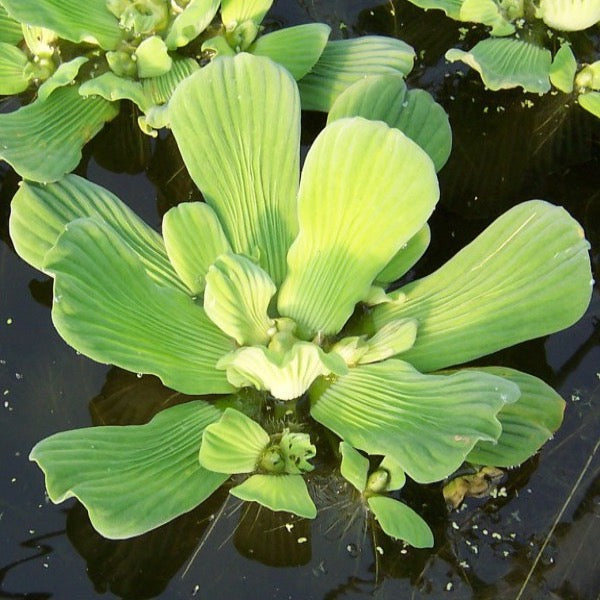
40, 213
135, 478
527, 424
589, 76
64, 75
562, 70
237, 124
93, 23
296, 48
374, 188
12, 63
508, 63
140, 17
425, 423
406, 257
40, 41
193, 240
527, 275
188, 25
153, 57
354, 466
278, 492
111, 87
450, 7
237, 297
43, 140
397, 477
107, 307
401, 522
234, 444
343, 62
10, 30
569, 15
392, 339
488, 13
296, 450
415, 113
239, 11
286, 375
591, 102
160, 89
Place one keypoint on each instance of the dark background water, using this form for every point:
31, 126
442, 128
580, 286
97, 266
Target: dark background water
538, 538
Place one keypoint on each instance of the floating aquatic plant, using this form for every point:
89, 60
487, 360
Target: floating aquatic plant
274, 291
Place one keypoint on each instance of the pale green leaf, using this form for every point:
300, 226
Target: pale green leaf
239, 11
108, 308
237, 297
488, 13
43, 140
188, 25
392, 339
406, 257
296, 449
237, 124
194, 239
527, 275
569, 15
505, 63
343, 62
278, 492
10, 30
12, 63
40, 213
71, 20
135, 478
354, 466
426, 423
415, 113
397, 477
401, 522
111, 87
64, 75
591, 102
153, 57
589, 76
234, 444
160, 89
286, 375
450, 7
296, 48
366, 189
527, 424
562, 70
40, 41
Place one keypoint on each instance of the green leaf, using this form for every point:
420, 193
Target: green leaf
563, 68
40, 213
591, 102
286, 375
392, 339
426, 423
397, 477
401, 522
40, 41
406, 257
343, 62
64, 75
354, 466
450, 7
234, 444
108, 308
527, 275
140, 18
296, 450
11, 31
111, 87
375, 189
12, 63
589, 76
153, 57
237, 124
236, 299
92, 23
135, 478
278, 492
415, 113
239, 11
43, 140
569, 15
193, 240
296, 48
160, 89
188, 25
508, 63
488, 13
527, 424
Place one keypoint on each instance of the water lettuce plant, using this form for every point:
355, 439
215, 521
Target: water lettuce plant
81, 59
269, 302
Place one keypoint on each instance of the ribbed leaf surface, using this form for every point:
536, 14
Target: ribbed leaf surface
406, 257
11, 31
239, 11
570, 15
160, 89
12, 62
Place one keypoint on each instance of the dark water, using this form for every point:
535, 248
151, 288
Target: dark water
537, 539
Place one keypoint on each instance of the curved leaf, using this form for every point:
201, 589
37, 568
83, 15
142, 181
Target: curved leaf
237, 124
406, 257
160, 89
188, 25
354, 466
107, 307
343, 62
12, 62
64, 75
134, 478
152, 57
373, 188
426, 423
569, 15
397, 477
488, 13
392, 339
591, 102
11, 31
43, 140
528, 274
450, 7
111, 87
563, 68
239, 11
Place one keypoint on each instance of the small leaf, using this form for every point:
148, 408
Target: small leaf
401, 522
277, 492
354, 466
193, 240
153, 57
239, 11
296, 449
591, 102
450, 7
64, 75
505, 63
189, 24
343, 62
12, 63
111, 87
486, 12
134, 478
589, 77
234, 444
562, 70
569, 15
406, 257
397, 477
392, 339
